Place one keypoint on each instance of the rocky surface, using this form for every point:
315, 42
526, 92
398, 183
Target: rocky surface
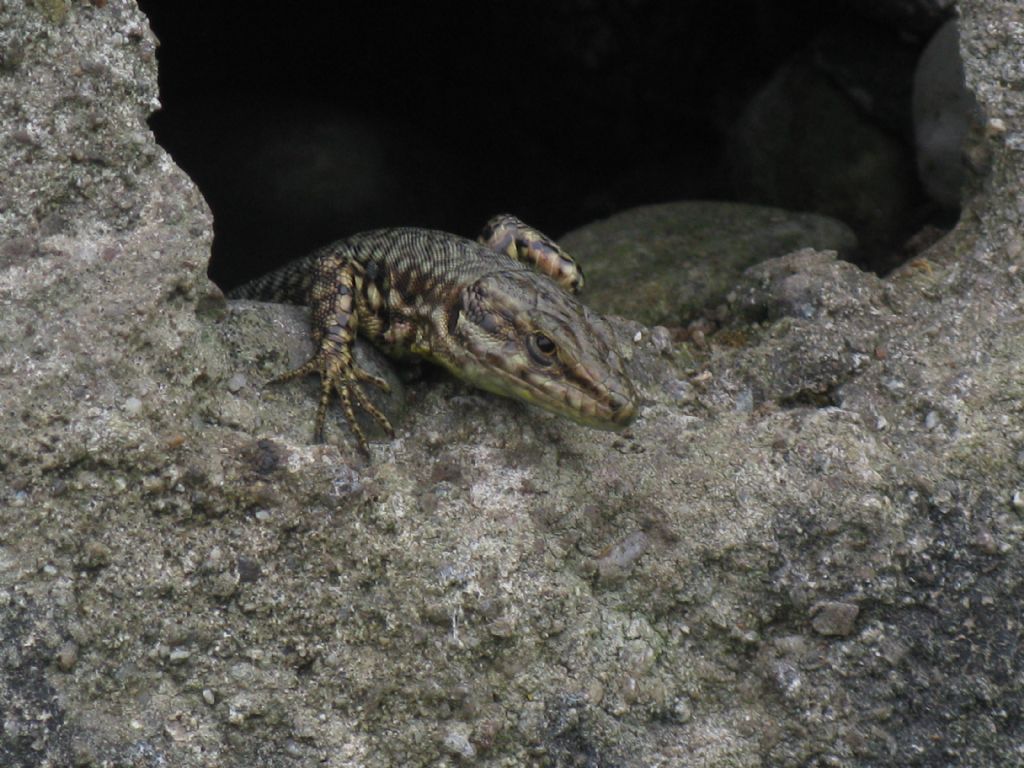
806, 551
664, 264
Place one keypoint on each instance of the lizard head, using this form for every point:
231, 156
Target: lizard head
521, 336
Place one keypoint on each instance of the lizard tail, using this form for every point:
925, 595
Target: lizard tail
288, 285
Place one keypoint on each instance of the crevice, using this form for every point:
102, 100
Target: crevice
306, 125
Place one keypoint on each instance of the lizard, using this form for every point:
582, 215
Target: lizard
499, 312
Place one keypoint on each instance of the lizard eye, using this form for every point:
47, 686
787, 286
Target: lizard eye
542, 349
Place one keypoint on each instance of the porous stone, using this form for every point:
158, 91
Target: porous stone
195, 583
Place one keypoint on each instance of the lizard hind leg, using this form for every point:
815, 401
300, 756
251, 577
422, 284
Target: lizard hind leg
511, 236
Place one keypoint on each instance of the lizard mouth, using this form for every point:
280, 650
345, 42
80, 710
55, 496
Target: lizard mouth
606, 408
613, 411
622, 410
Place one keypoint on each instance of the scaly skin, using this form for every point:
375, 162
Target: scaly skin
474, 308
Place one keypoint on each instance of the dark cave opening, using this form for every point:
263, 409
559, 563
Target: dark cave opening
304, 124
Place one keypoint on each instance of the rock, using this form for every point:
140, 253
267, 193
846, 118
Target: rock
833, 618
67, 657
872, 65
803, 144
944, 110
665, 263
807, 357
457, 743
909, 16
616, 562
236, 382
803, 284
261, 599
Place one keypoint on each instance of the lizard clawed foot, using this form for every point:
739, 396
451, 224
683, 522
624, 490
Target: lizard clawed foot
339, 373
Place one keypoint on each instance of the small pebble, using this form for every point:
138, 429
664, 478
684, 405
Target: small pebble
503, 626
682, 711
626, 552
986, 542
458, 743
616, 561
67, 657
1014, 249
931, 421
236, 382
248, 570
834, 618
744, 401
661, 338
132, 406
680, 391
895, 386
176, 731
215, 559
96, 554
223, 585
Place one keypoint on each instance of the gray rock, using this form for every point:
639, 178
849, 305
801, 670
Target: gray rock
804, 284
910, 16
834, 618
804, 144
944, 110
806, 356
665, 263
872, 65
195, 582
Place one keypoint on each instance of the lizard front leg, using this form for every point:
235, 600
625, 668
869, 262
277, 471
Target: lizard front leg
335, 322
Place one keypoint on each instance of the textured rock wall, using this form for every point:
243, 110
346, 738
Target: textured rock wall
806, 550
